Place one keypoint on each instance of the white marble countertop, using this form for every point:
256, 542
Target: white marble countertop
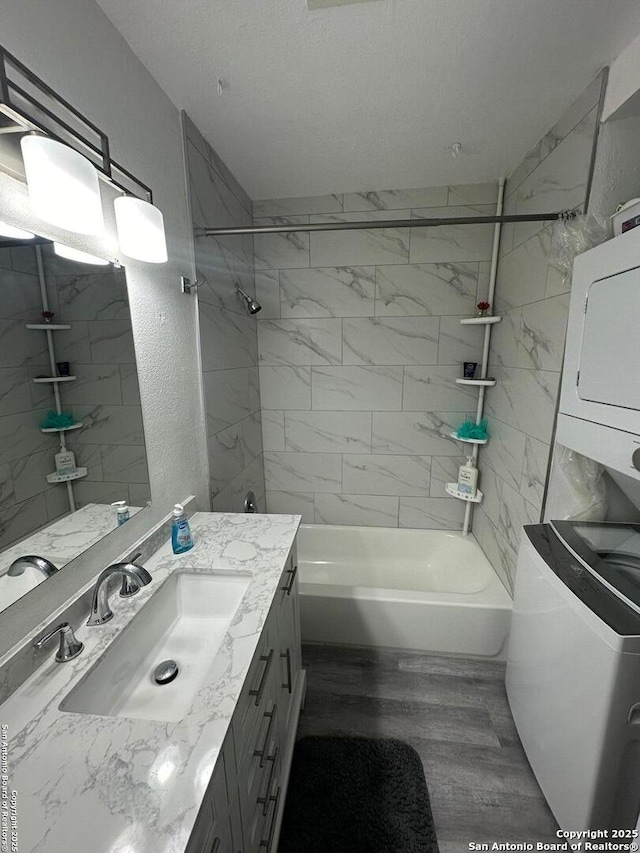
116, 785
59, 542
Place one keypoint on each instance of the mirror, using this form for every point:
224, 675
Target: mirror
71, 433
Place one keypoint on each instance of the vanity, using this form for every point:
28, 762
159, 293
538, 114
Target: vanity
105, 759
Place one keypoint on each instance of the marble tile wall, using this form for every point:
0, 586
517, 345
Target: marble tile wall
228, 336
527, 345
99, 347
359, 344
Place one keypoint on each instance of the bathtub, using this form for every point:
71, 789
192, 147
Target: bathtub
426, 590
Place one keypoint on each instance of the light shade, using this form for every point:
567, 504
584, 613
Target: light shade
63, 185
140, 230
72, 254
15, 233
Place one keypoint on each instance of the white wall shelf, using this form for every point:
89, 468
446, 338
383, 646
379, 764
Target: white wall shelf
479, 321
469, 440
452, 489
47, 327
42, 379
487, 383
62, 429
66, 478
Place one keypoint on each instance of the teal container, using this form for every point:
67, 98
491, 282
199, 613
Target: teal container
181, 536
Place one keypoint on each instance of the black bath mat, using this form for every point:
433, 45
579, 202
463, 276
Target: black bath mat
356, 795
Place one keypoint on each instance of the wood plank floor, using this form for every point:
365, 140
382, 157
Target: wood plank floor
454, 712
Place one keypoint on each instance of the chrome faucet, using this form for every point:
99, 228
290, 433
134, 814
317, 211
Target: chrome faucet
100, 610
40, 563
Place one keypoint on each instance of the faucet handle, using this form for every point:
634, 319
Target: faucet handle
70, 647
129, 587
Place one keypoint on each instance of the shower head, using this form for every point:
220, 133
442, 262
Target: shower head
253, 306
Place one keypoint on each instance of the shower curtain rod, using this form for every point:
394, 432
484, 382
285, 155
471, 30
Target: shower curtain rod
383, 223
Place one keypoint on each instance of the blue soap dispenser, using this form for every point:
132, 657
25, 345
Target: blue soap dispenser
181, 536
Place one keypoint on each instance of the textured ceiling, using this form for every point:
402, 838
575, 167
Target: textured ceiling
372, 95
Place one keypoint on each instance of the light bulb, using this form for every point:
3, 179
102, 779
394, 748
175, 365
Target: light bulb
140, 230
63, 185
72, 254
14, 233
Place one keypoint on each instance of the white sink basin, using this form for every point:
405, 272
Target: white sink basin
186, 621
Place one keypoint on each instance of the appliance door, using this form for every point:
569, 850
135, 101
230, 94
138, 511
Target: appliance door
610, 551
607, 370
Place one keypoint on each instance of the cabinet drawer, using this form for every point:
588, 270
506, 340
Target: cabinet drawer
269, 826
213, 818
287, 586
289, 654
256, 687
257, 768
217, 791
260, 816
200, 833
231, 778
219, 839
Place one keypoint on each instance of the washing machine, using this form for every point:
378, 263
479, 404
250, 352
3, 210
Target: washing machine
573, 669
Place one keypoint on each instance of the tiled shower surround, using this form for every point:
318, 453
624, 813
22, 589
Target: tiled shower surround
228, 339
105, 397
359, 345
527, 346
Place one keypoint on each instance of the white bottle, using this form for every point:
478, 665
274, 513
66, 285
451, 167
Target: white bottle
122, 512
65, 463
468, 478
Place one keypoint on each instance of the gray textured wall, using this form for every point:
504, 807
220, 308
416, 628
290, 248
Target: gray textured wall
228, 336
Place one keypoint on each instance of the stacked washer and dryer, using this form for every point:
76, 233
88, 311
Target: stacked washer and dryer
573, 667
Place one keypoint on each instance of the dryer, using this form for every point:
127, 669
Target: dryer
573, 669
599, 413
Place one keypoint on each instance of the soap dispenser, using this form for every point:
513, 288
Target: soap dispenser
122, 512
181, 536
468, 478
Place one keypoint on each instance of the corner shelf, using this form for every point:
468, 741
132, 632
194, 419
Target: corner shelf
452, 489
485, 382
469, 440
61, 429
480, 321
47, 327
41, 379
65, 478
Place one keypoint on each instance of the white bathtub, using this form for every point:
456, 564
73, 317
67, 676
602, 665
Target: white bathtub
430, 590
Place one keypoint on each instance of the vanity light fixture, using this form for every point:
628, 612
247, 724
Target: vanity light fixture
140, 228
71, 254
63, 185
14, 233
65, 156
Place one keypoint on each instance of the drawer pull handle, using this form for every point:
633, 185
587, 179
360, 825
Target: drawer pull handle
287, 655
259, 690
268, 841
260, 753
265, 800
288, 587
215, 846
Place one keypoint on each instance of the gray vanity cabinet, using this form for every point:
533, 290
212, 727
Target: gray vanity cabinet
213, 830
289, 648
242, 813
